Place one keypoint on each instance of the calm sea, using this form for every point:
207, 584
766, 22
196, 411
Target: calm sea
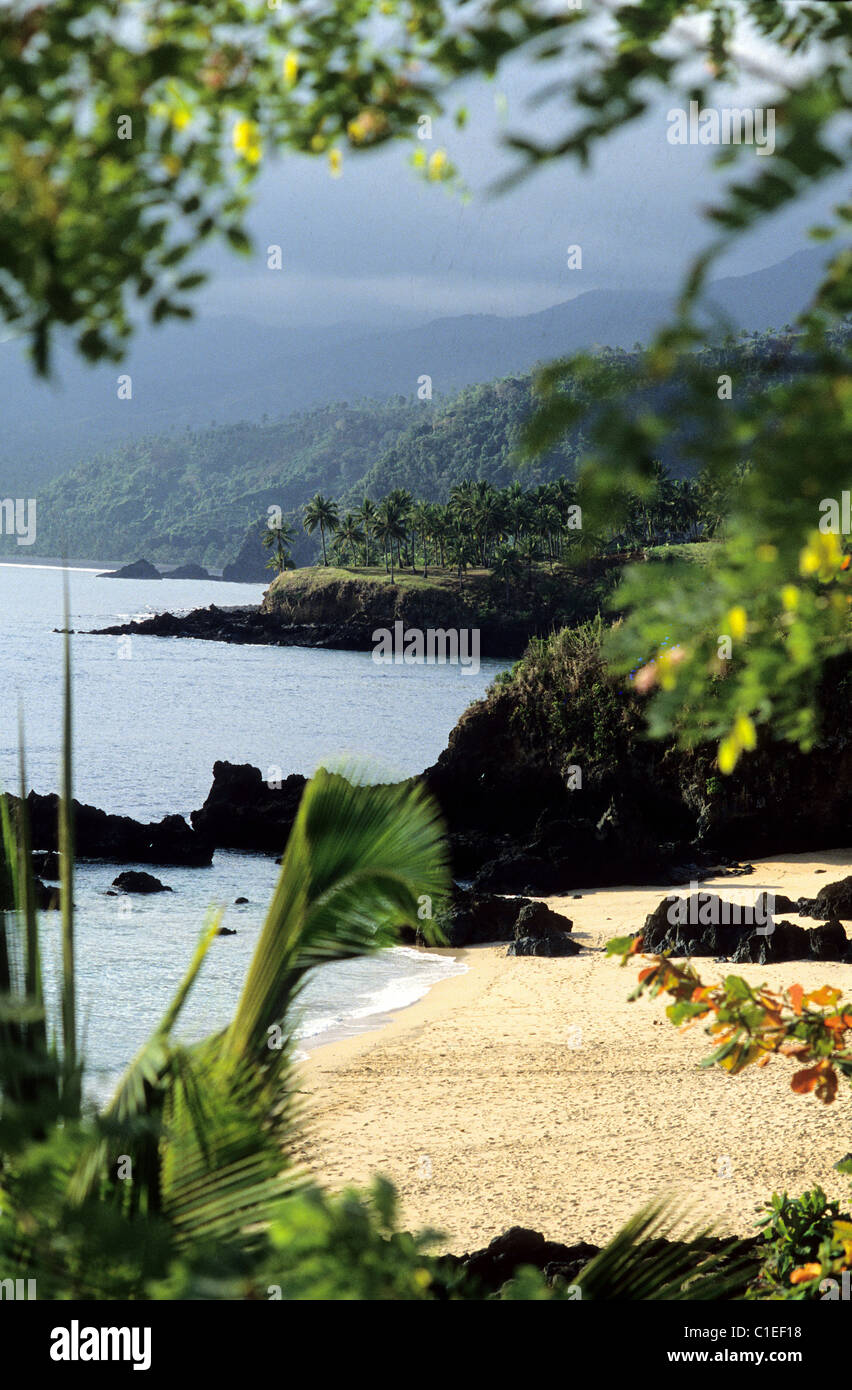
147, 730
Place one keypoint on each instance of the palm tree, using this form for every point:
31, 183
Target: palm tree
348, 535
365, 516
388, 528
421, 519
507, 565
278, 539
321, 512
490, 514
398, 501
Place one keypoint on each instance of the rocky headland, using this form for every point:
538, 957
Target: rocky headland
341, 610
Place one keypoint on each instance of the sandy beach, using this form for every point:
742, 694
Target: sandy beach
529, 1092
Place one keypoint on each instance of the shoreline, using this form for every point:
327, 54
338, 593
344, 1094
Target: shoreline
357, 1026
529, 1092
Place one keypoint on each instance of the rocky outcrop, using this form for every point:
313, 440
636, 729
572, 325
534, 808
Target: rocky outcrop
550, 785
834, 900
46, 864
791, 942
117, 839
481, 919
249, 567
541, 932
492, 1267
707, 925
242, 811
139, 569
47, 896
190, 571
135, 881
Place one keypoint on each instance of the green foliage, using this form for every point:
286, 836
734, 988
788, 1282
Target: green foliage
797, 1231
182, 1175
564, 704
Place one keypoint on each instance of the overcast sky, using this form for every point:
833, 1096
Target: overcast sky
377, 246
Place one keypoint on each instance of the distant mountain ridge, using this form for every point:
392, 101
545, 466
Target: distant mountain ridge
200, 495
229, 370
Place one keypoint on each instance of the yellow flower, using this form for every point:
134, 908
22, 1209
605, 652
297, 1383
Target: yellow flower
742, 738
822, 556
335, 163
744, 732
291, 67
738, 622
171, 164
247, 140
438, 164
790, 597
729, 753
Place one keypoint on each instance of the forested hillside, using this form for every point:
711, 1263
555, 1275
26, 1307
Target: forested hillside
192, 496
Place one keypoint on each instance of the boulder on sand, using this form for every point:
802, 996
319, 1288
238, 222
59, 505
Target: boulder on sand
542, 932
707, 925
834, 900
499, 1261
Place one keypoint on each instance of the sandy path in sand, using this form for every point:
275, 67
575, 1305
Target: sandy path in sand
485, 1112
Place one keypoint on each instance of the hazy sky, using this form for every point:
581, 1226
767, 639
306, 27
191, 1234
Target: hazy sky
378, 246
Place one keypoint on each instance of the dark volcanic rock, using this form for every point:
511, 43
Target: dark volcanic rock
554, 944
190, 571
47, 898
118, 839
46, 864
791, 942
537, 919
135, 881
541, 932
242, 811
646, 812
249, 567
834, 900
706, 932
140, 569
500, 1261
476, 919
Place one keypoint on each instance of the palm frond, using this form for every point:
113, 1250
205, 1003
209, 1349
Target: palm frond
649, 1260
358, 860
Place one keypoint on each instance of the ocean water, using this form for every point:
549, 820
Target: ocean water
147, 730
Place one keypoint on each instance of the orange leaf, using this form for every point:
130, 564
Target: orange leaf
796, 994
827, 1088
805, 1272
824, 996
806, 1080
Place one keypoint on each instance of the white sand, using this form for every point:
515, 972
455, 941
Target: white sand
485, 1112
